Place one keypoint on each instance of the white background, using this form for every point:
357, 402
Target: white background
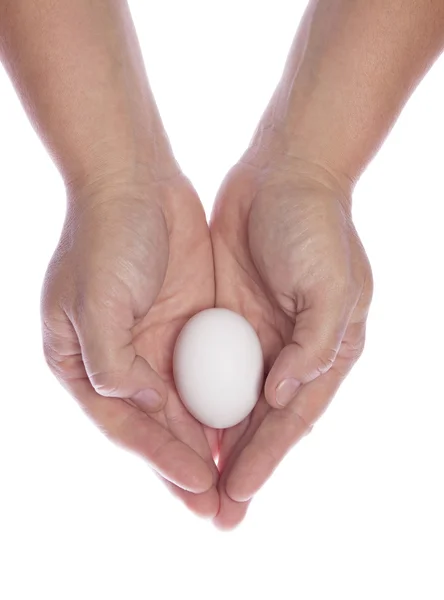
356, 510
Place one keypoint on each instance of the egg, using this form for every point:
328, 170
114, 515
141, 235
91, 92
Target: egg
218, 367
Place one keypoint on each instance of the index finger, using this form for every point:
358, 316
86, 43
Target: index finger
281, 429
278, 433
134, 430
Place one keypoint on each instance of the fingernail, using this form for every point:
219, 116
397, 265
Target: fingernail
148, 399
286, 391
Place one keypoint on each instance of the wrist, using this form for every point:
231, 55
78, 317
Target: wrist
114, 184
303, 130
120, 161
276, 151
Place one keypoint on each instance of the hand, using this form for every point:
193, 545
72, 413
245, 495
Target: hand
288, 258
134, 263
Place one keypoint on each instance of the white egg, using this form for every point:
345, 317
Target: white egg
218, 367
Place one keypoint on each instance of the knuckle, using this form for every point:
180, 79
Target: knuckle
300, 420
335, 287
268, 454
107, 383
365, 288
368, 287
52, 359
84, 304
324, 360
65, 367
363, 280
60, 361
353, 350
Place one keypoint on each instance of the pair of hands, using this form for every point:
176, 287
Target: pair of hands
136, 261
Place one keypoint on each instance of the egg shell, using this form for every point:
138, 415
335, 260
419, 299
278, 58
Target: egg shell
218, 367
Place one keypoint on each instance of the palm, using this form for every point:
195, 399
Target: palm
148, 267
241, 289
188, 288
259, 269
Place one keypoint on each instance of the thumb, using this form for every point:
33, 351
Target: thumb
316, 339
111, 362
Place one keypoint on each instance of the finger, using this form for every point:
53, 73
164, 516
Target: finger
230, 438
185, 428
317, 337
231, 513
120, 420
205, 505
188, 430
137, 432
277, 434
193, 436
280, 430
111, 362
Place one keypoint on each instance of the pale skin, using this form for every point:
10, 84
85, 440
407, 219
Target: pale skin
281, 248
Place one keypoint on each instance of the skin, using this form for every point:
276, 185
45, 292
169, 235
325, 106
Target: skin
283, 250
117, 290
305, 284
287, 255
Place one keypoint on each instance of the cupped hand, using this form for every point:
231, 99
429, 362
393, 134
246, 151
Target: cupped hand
134, 263
288, 258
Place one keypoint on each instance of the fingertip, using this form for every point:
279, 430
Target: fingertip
286, 390
241, 485
201, 482
230, 514
149, 400
180, 464
223, 525
282, 383
294, 367
205, 505
236, 494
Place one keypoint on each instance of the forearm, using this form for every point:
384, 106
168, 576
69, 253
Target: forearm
352, 66
79, 72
